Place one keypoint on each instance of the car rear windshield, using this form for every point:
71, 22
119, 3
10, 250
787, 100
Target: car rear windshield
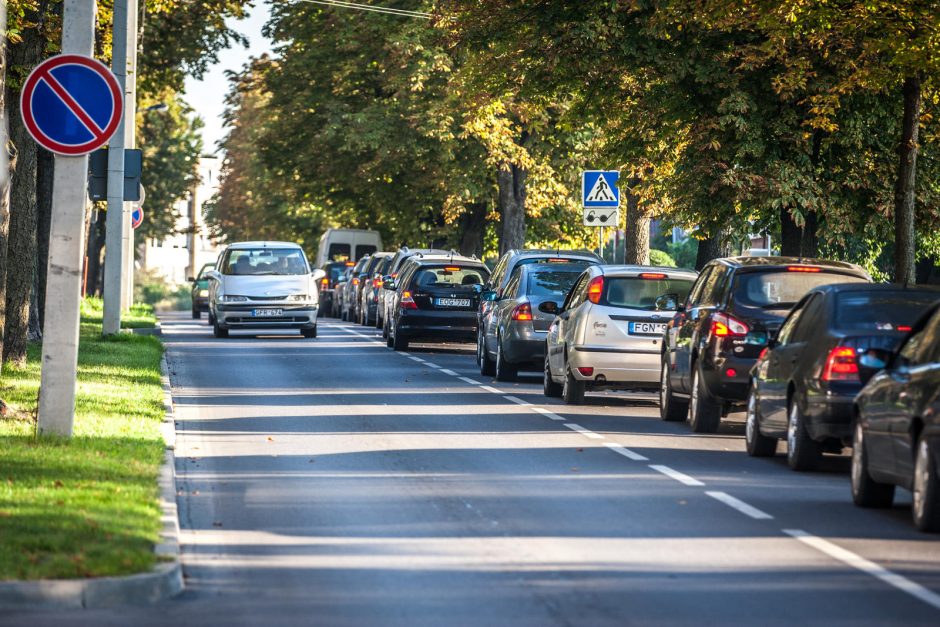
339, 252
336, 271
448, 276
881, 311
265, 261
782, 289
550, 260
639, 293
551, 284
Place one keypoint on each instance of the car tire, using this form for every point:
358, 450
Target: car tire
505, 371
379, 322
756, 443
572, 392
399, 343
196, 313
309, 333
671, 408
487, 365
803, 453
385, 329
866, 492
218, 330
926, 489
704, 413
210, 317
549, 387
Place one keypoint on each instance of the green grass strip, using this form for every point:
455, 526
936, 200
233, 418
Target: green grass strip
88, 506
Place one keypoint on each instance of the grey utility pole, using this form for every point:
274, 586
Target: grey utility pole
66, 249
130, 141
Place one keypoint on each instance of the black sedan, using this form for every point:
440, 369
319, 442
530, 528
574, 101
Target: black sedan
897, 429
804, 383
436, 298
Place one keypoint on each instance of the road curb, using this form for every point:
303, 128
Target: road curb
164, 581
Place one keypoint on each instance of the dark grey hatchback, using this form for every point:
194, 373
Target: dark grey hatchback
519, 326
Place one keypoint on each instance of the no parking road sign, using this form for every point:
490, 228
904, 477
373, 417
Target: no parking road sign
137, 216
71, 104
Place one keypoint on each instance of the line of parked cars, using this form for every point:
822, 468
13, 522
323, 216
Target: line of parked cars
814, 352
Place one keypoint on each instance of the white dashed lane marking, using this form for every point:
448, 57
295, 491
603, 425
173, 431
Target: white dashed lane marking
491, 389
516, 400
585, 432
675, 474
548, 414
622, 450
450, 372
741, 506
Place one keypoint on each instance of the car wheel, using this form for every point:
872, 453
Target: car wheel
671, 408
479, 345
210, 317
505, 371
926, 507
309, 333
704, 413
218, 330
385, 329
487, 365
866, 492
757, 444
573, 390
378, 322
803, 453
399, 343
196, 313
549, 387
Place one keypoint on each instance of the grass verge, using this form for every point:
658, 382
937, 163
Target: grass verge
88, 506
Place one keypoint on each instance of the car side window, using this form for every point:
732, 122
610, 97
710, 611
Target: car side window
808, 319
786, 335
711, 291
696, 292
911, 351
576, 297
497, 275
512, 288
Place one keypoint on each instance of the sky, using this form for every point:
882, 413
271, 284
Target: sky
207, 96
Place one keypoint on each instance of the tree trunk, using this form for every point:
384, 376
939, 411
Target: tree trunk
511, 183
472, 229
712, 247
45, 172
5, 183
791, 235
96, 237
636, 239
904, 198
809, 245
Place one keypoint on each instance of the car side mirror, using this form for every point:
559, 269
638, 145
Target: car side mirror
871, 361
549, 307
666, 302
318, 274
489, 296
389, 283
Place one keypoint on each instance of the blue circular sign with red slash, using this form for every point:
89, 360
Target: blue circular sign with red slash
71, 104
137, 216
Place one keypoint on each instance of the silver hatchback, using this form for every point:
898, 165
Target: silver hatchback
608, 333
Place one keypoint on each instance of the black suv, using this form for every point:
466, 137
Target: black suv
436, 297
714, 340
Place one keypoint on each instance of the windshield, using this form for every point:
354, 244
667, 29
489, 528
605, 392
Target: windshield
447, 277
781, 290
881, 311
551, 284
637, 293
264, 261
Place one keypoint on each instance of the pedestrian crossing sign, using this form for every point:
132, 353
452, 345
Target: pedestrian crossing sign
599, 189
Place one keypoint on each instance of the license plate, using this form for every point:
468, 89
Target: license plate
647, 328
263, 313
452, 302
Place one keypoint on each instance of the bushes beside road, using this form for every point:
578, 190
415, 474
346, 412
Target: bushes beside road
85, 507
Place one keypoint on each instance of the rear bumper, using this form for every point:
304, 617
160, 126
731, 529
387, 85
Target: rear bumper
616, 365
522, 343
720, 385
830, 416
444, 325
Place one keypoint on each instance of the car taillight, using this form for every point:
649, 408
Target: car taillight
355, 281
522, 312
803, 269
324, 282
841, 365
451, 268
763, 353
595, 287
724, 325
407, 302
376, 283
652, 275
904, 328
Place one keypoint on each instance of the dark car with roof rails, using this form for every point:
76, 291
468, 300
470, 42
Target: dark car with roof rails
349, 302
804, 383
394, 267
369, 288
715, 337
897, 424
495, 287
436, 298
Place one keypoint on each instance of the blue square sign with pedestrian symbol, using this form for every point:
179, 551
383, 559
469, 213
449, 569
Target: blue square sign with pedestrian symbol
599, 189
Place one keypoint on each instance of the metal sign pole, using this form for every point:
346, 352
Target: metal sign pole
66, 242
114, 226
130, 141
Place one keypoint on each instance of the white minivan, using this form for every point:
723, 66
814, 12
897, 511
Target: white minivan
263, 286
347, 245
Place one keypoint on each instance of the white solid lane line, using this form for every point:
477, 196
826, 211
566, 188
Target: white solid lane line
622, 450
514, 399
675, 474
585, 432
866, 566
741, 506
549, 414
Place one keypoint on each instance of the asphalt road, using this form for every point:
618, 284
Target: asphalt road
335, 482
